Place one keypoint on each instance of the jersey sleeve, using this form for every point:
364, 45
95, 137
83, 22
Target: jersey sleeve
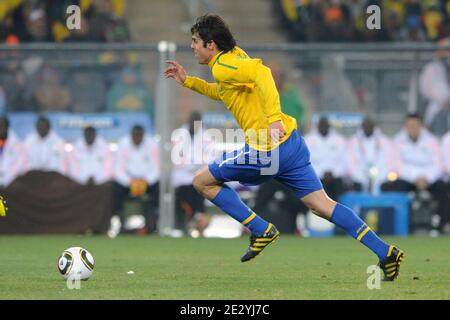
202, 87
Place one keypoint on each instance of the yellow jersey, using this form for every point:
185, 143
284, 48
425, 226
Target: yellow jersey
248, 90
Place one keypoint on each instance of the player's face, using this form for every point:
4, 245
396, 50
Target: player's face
202, 54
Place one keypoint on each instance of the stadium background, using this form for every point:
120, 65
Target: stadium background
331, 63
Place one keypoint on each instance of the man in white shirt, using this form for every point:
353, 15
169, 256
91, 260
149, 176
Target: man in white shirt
45, 149
446, 155
91, 160
446, 158
370, 156
328, 156
419, 165
137, 171
192, 148
12, 154
435, 83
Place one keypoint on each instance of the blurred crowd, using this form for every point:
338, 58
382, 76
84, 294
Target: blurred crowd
37, 85
345, 20
92, 82
45, 21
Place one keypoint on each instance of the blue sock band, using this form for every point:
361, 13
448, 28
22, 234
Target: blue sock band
228, 200
347, 219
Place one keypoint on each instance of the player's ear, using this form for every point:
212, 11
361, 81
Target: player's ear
211, 45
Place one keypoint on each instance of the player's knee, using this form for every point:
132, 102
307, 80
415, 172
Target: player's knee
321, 207
197, 183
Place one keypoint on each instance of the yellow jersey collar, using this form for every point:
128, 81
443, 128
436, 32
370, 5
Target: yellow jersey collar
214, 59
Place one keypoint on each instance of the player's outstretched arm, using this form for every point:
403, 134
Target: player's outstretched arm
177, 72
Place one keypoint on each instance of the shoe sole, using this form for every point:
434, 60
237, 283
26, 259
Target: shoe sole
275, 238
400, 260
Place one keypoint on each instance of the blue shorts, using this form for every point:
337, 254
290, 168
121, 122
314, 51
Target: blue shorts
289, 164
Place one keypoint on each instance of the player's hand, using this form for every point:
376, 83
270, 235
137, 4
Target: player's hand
277, 131
175, 71
3, 207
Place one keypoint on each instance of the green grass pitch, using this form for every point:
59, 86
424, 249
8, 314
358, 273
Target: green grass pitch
185, 268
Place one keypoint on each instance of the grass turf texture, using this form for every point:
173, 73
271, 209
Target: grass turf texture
166, 268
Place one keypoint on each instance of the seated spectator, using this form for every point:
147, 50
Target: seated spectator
50, 94
58, 17
325, 20
446, 157
91, 160
88, 89
419, 164
412, 29
2, 100
12, 154
31, 23
83, 34
195, 150
18, 79
433, 18
446, 153
105, 24
137, 171
45, 149
337, 24
290, 100
316, 30
129, 94
328, 157
370, 154
434, 85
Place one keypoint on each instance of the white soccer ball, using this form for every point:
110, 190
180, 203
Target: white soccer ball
76, 263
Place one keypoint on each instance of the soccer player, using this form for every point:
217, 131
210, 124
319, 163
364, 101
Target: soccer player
248, 90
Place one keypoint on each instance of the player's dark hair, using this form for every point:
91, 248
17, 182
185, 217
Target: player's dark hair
211, 27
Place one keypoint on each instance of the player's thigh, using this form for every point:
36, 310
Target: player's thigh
303, 180
320, 203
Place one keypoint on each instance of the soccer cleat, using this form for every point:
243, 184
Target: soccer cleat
3, 207
391, 264
258, 243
